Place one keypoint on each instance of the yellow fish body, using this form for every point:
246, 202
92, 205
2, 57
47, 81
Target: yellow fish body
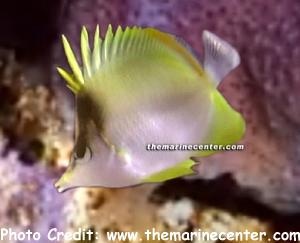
141, 86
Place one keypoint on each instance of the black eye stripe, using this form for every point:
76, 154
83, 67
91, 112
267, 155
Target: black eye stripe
76, 158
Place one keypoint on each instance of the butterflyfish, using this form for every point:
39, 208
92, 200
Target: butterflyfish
140, 86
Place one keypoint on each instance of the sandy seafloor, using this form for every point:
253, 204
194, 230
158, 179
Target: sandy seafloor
257, 189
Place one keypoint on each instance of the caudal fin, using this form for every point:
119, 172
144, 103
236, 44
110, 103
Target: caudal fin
219, 57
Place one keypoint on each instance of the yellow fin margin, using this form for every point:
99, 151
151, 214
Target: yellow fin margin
182, 169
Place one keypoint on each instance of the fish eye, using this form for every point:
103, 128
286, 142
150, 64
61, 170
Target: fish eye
86, 157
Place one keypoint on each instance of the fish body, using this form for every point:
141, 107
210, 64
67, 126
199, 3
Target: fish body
142, 86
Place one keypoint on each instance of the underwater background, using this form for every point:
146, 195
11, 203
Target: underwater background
257, 189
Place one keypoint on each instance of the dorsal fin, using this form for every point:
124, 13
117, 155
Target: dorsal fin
189, 48
219, 57
121, 44
178, 47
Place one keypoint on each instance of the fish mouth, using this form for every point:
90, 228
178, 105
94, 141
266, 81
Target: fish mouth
61, 185
60, 189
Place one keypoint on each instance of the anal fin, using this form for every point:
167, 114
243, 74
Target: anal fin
181, 169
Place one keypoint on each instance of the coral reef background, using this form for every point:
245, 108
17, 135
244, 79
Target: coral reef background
257, 189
